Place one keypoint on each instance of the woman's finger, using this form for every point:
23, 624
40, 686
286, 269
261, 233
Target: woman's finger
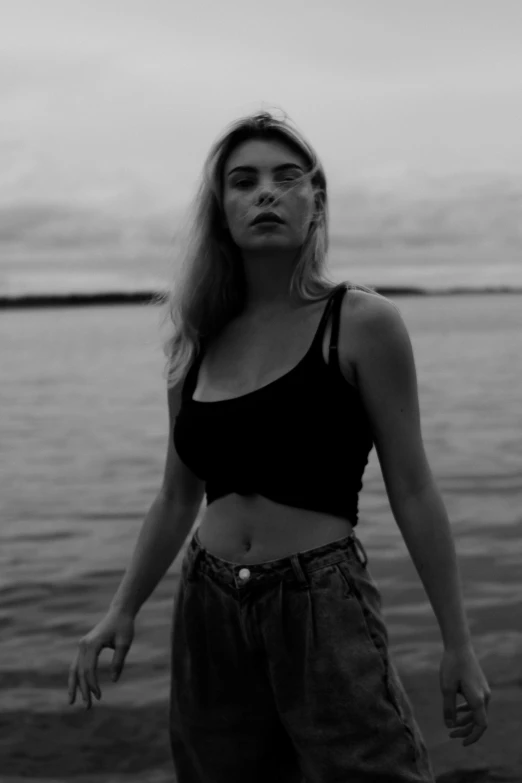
82, 667
466, 715
91, 675
476, 733
462, 731
72, 684
84, 688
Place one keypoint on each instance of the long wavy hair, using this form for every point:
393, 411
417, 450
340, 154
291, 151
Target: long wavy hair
208, 287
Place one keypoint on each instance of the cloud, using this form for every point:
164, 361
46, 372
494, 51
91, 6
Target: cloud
451, 211
34, 228
448, 211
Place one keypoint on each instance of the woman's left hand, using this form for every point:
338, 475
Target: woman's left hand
460, 672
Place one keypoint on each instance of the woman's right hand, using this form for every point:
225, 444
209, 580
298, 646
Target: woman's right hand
116, 631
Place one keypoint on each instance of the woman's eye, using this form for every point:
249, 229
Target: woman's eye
240, 182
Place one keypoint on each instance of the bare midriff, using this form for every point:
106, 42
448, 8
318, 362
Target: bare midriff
248, 529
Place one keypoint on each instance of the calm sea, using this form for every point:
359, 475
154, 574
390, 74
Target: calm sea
82, 449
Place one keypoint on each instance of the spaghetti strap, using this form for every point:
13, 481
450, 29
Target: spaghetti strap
192, 375
326, 314
334, 335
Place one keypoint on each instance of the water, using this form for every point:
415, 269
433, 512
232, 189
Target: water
82, 449
420, 266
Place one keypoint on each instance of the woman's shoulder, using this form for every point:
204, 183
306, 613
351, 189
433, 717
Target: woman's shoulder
367, 317
367, 306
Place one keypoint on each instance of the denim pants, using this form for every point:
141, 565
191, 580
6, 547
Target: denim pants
280, 672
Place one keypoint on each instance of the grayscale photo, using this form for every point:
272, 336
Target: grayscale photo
261, 399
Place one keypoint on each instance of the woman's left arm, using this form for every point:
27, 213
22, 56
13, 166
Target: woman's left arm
387, 382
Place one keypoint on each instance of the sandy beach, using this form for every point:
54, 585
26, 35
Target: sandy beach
116, 742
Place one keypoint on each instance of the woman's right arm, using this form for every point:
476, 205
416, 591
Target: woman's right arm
166, 525
163, 533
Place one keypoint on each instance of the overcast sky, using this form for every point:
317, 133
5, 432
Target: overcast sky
115, 103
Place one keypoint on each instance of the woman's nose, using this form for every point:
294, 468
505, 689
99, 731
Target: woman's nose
265, 194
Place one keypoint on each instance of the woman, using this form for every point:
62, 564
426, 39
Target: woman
280, 382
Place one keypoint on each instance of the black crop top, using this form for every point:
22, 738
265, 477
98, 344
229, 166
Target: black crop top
302, 440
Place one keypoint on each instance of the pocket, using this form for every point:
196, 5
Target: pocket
365, 592
360, 586
360, 554
359, 582
343, 569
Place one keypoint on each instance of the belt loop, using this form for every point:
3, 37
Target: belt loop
193, 564
298, 571
359, 548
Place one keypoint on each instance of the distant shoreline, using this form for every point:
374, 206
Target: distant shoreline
17, 301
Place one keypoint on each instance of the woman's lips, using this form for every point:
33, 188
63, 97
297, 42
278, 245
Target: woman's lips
266, 223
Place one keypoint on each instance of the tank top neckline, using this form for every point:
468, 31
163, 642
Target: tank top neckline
317, 336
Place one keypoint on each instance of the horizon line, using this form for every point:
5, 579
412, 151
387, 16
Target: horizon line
38, 300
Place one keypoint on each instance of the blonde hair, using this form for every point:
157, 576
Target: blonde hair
208, 288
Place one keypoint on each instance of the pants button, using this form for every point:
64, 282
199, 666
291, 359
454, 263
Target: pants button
244, 573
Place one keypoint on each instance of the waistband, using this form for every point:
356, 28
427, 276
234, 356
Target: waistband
290, 568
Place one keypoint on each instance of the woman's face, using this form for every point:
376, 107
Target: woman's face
266, 185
